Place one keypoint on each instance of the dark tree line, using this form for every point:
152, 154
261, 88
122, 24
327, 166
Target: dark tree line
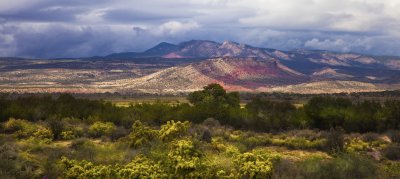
323, 112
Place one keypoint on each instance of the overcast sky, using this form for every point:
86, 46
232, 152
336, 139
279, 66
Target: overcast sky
78, 28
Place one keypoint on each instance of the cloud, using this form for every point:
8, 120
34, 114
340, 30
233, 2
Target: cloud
175, 27
48, 40
74, 28
339, 44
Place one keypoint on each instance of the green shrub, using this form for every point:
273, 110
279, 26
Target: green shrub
357, 145
15, 163
99, 129
13, 125
252, 142
85, 169
44, 135
334, 140
255, 165
142, 167
173, 130
67, 135
185, 159
343, 166
351, 166
56, 126
77, 144
302, 143
391, 169
20, 128
140, 134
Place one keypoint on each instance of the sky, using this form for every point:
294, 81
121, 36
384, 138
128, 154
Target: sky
82, 28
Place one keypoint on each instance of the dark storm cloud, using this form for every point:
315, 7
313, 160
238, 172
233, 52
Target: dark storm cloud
52, 14
74, 28
136, 15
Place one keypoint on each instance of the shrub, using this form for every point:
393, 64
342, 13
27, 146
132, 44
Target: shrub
392, 152
13, 125
334, 140
255, 141
394, 136
357, 145
85, 169
56, 126
231, 150
173, 130
78, 143
302, 143
211, 122
43, 134
8, 160
119, 132
67, 135
99, 129
351, 166
391, 169
72, 132
185, 159
255, 165
142, 167
370, 137
17, 164
140, 134
341, 167
21, 128
206, 136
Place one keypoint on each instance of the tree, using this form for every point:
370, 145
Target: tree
268, 115
327, 112
213, 101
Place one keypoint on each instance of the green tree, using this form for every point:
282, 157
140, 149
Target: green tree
268, 115
213, 101
326, 112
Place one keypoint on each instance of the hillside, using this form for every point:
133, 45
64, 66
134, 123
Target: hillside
241, 74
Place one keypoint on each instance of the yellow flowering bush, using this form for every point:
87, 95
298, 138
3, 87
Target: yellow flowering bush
173, 130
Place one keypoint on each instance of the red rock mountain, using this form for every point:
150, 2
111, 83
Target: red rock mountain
246, 68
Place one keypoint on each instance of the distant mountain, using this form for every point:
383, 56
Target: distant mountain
190, 65
309, 59
157, 51
197, 49
161, 49
246, 68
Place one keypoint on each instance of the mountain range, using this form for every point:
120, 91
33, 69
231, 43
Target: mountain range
246, 68
187, 66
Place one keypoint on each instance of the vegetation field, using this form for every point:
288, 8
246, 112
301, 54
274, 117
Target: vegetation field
174, 100
208, 134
